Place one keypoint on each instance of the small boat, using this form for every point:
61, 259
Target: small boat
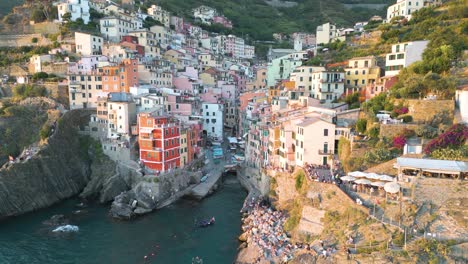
207, 222
203, 179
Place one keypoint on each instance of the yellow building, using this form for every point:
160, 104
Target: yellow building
361, 72
183, 147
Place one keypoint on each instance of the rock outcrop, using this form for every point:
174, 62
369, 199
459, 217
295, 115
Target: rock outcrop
58, 171
152, 192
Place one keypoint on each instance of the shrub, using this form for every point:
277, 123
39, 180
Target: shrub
361, 125
455, 137
450, 154
401, 110
427, 131
399, 141
374, 132
34, 40
300, 178
407, 118
23, 91
44, 132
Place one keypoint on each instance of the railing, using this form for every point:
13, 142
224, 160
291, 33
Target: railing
326, 90
326, 151
331, 80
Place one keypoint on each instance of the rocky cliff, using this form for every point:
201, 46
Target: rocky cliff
58, 171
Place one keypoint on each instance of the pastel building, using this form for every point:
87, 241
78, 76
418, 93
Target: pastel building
213, 124
76, 8
404, 8
315, 141
361, 72
85, 89
121, 77
403, 55
121, 114
114, 28
87, 44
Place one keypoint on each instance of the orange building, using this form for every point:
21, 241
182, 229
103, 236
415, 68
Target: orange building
159, 140
121, 77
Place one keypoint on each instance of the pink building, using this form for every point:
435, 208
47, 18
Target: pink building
223, 21
382, 84
178, 23
179, 105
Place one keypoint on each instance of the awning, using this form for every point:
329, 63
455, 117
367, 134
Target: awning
432, 165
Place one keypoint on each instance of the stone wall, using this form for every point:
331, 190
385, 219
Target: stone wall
392, 130
423, 111
23, 40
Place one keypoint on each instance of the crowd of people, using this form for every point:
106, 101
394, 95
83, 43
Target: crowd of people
264, 227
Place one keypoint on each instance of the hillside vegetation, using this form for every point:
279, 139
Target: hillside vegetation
259, 20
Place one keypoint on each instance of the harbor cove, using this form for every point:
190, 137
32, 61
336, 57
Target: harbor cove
169, 235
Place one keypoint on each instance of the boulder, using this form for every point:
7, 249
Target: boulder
121, 211
142, 211
56, 220
243, 237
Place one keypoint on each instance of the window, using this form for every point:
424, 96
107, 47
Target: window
401, 56
391, 57
325, 132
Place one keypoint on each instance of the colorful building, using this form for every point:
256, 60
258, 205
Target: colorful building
121, 77
159, 141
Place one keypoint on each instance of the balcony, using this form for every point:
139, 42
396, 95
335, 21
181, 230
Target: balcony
332, 80
326, 152
326, 90
106, 25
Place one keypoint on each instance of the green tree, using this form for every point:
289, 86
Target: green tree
361, 125
66, 17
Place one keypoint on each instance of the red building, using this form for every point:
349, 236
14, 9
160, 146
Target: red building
159, 140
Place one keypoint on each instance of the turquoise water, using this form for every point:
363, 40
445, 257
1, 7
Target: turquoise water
168, 233
7, 5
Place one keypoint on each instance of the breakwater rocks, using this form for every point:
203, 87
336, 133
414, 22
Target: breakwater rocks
58, 171
151, 192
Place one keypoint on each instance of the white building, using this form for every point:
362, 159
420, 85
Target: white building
113, 28
87, 44
249, 51
159, 14
204, 13
162, 35
327, 85
76, 8
36, 62
315, 141
302, 77
403, 55
121, 111
404, 8
153, 102
327, 33
461, 100
213, 120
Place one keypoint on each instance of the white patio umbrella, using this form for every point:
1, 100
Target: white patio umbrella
386, 178
392, 187
357, 174
363, 181
378, 184
347, 178
372, 176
